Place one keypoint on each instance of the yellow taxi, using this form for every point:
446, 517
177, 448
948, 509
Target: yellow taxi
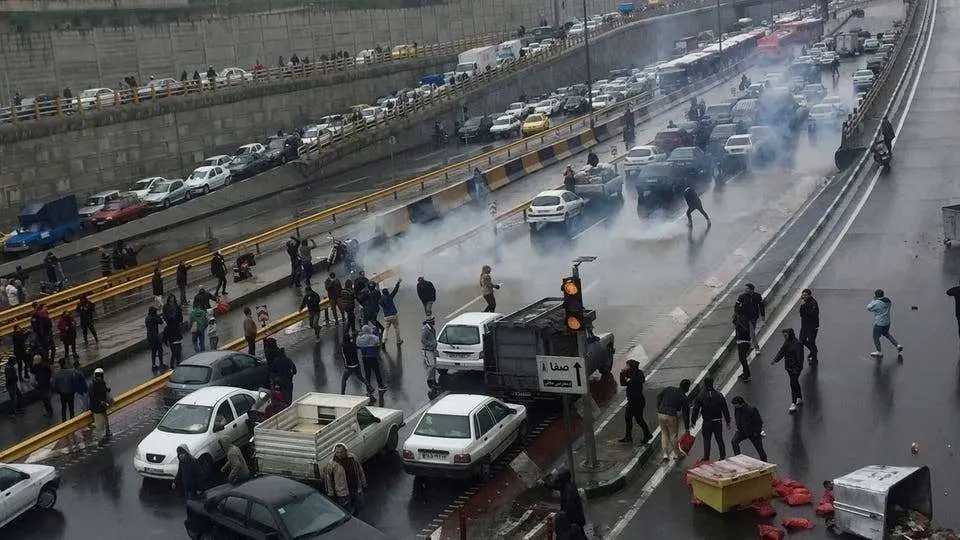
535, 123
403, 51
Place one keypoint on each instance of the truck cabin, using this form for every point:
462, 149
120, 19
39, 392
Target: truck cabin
674, 78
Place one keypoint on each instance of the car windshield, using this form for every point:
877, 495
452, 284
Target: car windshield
473, 122
714, 110
504, 121
536, 118
245, 150
863, 73
639, 153
186, 419
682, 153
723, 131
94, 201
191, 375
545, 200
459, 334
198, 174
113, 205
142, 184
822, 109
311, 133
242, 160
310, 516
545, 103
162, 187
739, 140
572, 102
447, 426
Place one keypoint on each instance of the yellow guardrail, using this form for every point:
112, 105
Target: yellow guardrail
97, 289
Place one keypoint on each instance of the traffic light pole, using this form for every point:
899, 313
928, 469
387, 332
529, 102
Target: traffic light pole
588, 435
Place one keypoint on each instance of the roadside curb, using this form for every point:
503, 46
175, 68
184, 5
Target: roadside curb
605, 488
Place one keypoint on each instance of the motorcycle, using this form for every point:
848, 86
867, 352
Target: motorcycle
881, 155
345, 252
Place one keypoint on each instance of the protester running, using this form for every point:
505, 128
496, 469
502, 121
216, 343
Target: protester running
791, 352
880, 307
694, 204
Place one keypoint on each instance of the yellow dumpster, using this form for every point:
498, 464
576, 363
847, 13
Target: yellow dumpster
732, 482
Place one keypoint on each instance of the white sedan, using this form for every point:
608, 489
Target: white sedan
461, 435
251, 148
741, 147
554, 206
203, 420
602, 101
233, 75
24, 487
548, 107
97, 97
206, 179
221, 160
641, 155
505, 126
140, 188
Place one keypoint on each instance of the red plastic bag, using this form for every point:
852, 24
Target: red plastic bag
825, 509
763, 508
798, 524
770, 532
799, 497
827, 497
223, 307
685, 443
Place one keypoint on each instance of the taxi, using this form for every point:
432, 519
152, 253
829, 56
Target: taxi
535, 123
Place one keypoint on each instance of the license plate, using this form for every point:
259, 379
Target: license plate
432, 455
152, 470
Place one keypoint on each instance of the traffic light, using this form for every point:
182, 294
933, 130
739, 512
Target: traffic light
573, 303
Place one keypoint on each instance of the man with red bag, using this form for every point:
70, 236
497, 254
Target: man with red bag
672, 404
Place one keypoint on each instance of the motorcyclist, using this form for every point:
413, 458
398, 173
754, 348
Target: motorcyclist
881, 152
744, 82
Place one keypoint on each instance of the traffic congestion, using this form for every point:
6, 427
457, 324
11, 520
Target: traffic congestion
376, 438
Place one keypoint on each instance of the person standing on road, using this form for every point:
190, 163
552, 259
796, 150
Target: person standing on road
213, 335
42, 328
152, 322
390, 313
333, 287
43, 377
369, 344
19, 338
10, 377
633, 379
791, 352
182, 282
351, 365
249, 331
64, 382
427, 294
305, 252
570, 503
694, 204
713, 406
67, 328
344, 480
348, 306
809, 323
80, 387
280, 367
672, 406
370, 302
52, 269
360, 284
218, 268
749, 427
311, 302
189, 477
173, 335
156, 283
293, 252
106, 265
428, 342
202, 299
886, 130
99, 401
487, 286
880, 307
87, 311
751, 304
198, 328
741, 330
13, 293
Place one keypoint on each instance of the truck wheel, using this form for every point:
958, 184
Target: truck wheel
393, 439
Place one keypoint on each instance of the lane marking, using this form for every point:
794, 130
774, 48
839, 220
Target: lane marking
771, 329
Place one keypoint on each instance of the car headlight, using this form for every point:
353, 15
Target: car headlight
141, 455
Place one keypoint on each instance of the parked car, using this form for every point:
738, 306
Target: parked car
505, 126
160, 88
94, 98
127, 208
274, 508
281, 149
576, 105
476, 128
96, 203
548, 107
602, 101
201, 421
320, 136
216, 368
461, 435
140, 188
871, 45
24, 487
166, 194
233, 75
247, 166
250, 148
203, 180
220, 160
519, 110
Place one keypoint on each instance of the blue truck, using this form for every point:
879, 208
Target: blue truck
44, 224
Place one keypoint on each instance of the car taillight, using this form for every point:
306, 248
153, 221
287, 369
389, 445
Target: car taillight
407, 454
461, 458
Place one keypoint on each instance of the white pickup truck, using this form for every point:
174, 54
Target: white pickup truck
298, 441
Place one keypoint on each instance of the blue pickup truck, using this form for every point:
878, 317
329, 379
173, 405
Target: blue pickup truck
44, 224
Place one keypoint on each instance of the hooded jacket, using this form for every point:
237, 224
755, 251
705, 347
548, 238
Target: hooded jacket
880, 307
570, 502
198, 317
368, 342
426, 292
279, 364
791, 352
350, 359
632, 378
189, 473
748, 419
236, 467
370, 300
311, 301
750, 303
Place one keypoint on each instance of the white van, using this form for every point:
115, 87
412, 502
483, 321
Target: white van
460, 342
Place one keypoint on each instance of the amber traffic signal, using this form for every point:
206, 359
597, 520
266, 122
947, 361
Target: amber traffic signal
573, 303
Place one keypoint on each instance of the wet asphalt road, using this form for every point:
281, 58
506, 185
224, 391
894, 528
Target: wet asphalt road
102, 496
859, 410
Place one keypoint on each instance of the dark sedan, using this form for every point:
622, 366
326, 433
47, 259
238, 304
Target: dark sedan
216, 368
576, 105
248, 165
281, 149
271, 507
476, 129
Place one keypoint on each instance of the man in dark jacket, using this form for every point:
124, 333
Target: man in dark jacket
570, 502
809, 323
65, 385
427, 294
370, 302
182, 282
633, 379
791, 352
751, 304
43, 377
311, 302
713, 406
218, 268
672, 406
106, 265
741, 330
333, 287
749, 427
694, 204
152, 322
280, 367
202, 299
173, 335
293, 251
10, 377
156, 284
886, 130
99, 401
189, 474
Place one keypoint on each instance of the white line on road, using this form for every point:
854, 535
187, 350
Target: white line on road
771, 329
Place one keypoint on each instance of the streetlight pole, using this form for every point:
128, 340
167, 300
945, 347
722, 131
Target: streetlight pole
586, 50
719, 29
588, 435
